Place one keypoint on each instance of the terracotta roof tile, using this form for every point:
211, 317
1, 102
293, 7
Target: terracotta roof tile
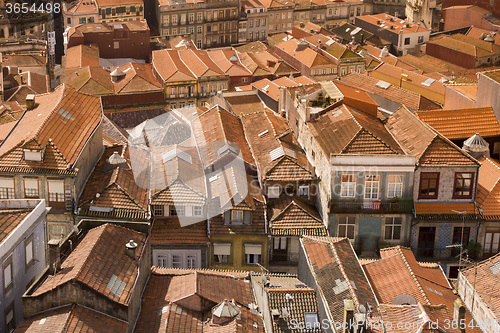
488, 187
169, 298
221, 58
305, 55
466, 44
398, 273
485, 278
86, 264
168, 231
262, 130
398, 24
419, 139
72, 319
245, 104
215, 128
468, 90
412, 100
10, 220
264, 63
23, 60
462, 123
256, 226
138, 78
293, 217
338, 273
81, 56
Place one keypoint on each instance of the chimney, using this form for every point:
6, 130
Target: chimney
131, 249
30, 101
459, 313
225, 312
348, 315
54, 256
117, 75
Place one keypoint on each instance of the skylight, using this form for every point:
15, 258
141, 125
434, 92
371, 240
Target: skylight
66, 114
428, 82
383, 84
116, 286
276, 153
340, 287
495, 269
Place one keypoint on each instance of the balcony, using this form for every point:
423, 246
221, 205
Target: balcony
435, 254
284, 257
402, 205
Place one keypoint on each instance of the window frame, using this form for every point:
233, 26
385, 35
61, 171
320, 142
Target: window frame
471, 186
8, 287
370, 184
9, 191
27, 241
425, 196
8, 309
347, 225
237, 221
37, 189
395, 184
347, 186
389, 221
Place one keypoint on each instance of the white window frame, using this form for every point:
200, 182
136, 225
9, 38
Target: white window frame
162, 260
30, 181
197, 210
177, 260
235, 216
347, 224
253, 253
395, 186
304, 190
7, 188
348, 188
59, 193
372, 186
273, 191
29, 251
389, 222
280, 243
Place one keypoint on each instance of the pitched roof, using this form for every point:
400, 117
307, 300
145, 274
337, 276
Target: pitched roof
72, 319
62, 114
462, 123
172, 299
343, 130
168, 231
485, 279
215, 128
276, 159
86, 264
467, 44
81, 56
23, 60
114, 186
10, 219
338, 274
432, 208
398, 273
419, 139
293, 217
90, 80
105, 3
82, 6
262, 63
305, 55
138, 78
244, 104
488, 187
412, 100
224, 59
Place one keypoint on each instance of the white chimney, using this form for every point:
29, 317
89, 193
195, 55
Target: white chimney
131, 249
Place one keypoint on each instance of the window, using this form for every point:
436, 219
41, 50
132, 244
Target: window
394, 186
158, 210
68, 20
90, 20
200, 17
31, 188
198, 44
198, 29
82, 20
311, 320
57, 231
177, 261
8, 280
491, 243
253, 253
392, 228
420, 39
304, 190
10, 318
429, 184
346, 226
222, 252
174, 19
162, 261
407, 41
273, 191
463, 185
7, 188
348, 186
29, 252
191, 17
236, 217
197, 210
191, 261
56, 190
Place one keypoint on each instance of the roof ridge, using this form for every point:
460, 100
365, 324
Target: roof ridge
353, 294
412, 274
63, 87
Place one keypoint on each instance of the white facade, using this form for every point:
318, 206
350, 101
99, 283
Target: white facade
22, 257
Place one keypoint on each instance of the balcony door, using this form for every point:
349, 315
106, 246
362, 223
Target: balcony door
280, 249
426, 237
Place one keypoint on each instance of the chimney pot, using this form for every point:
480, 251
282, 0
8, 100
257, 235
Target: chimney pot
131, 249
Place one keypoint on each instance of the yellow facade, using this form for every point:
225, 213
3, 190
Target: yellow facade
237, 258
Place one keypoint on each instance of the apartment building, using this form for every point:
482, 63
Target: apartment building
253, 21
120, 10
280, 15
209, 23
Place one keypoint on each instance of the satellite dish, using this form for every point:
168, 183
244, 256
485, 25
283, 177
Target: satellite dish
404, 300
362, 308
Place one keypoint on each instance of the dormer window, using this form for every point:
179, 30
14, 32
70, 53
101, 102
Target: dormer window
32, 155
236, 217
